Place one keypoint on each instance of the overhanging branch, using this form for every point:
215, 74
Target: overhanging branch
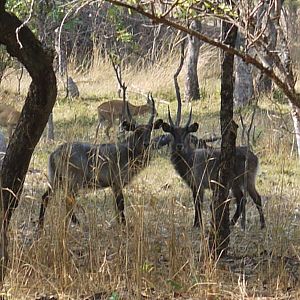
289, 92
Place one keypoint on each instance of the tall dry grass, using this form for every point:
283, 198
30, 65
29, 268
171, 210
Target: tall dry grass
157, 255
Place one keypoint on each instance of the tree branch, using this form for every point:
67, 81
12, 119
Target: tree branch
290, 93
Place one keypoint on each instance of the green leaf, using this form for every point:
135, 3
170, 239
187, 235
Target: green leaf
114, 296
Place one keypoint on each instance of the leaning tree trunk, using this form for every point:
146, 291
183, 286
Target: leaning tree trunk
192, 90
38, 105
41, 19
243, 87
219, 238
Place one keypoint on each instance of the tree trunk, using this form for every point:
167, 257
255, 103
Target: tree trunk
287, 63
34, 116
41, 18
61, 55
243, 87
265, 22
295, 112
50, 128
192, 90
219, 238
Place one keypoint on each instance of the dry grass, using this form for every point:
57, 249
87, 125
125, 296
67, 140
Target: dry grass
157, 255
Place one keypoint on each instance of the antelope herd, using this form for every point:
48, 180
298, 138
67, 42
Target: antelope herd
82, 165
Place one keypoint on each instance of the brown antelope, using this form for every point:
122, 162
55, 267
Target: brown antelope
9, 118
82, 165
111, 111
199, 169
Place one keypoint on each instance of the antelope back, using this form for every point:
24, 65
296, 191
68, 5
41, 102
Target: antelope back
246, 166
140, 110
69, 163
110, 110
206, 165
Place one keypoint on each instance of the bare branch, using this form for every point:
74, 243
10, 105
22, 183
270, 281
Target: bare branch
24, 24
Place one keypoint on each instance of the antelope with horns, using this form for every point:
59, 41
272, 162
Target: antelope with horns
9, 118
199, 169
111, 111
83, 165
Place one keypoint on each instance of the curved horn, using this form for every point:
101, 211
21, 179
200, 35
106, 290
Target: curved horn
170, 118
153, 112
189, 119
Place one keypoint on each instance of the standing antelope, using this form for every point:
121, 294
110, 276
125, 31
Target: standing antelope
83, 165
9, 118
111, 111
199, 169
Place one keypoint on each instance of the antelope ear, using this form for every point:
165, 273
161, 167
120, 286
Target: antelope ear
166, 127
128, 126
193, 128
158, 123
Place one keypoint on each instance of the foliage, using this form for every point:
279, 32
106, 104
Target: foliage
19, 8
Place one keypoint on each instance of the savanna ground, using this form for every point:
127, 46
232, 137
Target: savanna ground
157, 255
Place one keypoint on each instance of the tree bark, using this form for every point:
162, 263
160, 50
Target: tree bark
61, 55
34, 116
219, 239
50, 128
287, 63
243, 87
192, 90
42, 31
295, 112
265, 22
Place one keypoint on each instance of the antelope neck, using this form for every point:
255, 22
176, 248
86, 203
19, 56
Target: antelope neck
182, 162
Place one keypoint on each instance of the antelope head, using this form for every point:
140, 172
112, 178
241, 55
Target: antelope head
179, 133
140, 138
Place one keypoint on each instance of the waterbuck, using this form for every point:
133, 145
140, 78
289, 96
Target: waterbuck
111, 111
199, 169
82, 165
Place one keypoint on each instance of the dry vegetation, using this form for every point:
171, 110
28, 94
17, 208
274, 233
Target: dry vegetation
157, 255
